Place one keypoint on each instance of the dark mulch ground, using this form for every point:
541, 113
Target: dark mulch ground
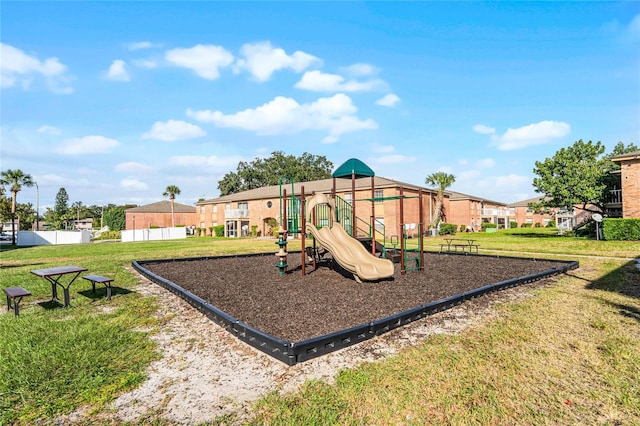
293, 307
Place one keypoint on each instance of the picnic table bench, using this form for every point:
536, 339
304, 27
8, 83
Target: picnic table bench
453, 244
102, 280
15, 294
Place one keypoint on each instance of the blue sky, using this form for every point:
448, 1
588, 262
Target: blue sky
114, 101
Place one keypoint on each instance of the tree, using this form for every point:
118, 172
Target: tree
577, 175
115, 218
268, 171
171, 192
15, 179
442, 181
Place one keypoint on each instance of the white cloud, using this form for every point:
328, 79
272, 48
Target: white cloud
87, 145
532, 134
329, 140
360, 70
141, 45
50, 130
388, 100
318, 81
17, 67
383, 149
118, 71
262, 60
173, 130
132, 167
482, 129
200, 162
204, 60
485, 163
285, 116
392, 159
634, 28
129, 184
144, 63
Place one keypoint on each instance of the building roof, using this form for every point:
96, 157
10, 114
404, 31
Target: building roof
353, 167
459, 196
318, 186
525, 203
162, 207
634, 155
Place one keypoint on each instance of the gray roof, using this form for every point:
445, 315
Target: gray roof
634, 155
318, 186
525, 203
162, 207
458, 196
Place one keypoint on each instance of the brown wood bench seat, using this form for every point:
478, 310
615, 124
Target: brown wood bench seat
15, 294
102, 280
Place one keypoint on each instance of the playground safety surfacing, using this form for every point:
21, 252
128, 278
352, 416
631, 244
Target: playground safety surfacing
295, 318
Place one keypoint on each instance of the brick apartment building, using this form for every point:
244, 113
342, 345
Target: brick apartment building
159, 215
625, 198
241, 212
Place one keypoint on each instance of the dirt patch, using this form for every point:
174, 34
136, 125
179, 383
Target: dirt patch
206, 373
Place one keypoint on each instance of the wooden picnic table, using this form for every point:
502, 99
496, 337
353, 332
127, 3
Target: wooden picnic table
459, 243
53, 275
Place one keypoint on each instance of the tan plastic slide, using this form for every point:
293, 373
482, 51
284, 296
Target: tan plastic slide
347, 251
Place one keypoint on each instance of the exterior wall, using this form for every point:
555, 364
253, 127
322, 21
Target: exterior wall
524, 214
161, 220
257, 212
630, 172
467, 212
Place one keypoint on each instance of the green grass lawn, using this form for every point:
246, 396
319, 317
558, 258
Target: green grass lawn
571, 355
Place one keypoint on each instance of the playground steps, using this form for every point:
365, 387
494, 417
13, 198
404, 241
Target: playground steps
366, 242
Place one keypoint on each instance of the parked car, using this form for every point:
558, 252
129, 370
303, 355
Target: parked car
5, 237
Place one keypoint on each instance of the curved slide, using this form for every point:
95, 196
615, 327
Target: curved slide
350, 253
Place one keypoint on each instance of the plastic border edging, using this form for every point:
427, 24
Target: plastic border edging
292, 353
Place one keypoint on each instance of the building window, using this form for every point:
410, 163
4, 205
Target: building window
269, 204
378, 194
379, 224
243, 206
215, 208
202, 225
347, 197
214, 223
202, 209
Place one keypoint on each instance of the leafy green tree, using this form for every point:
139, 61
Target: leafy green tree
268, 171
15, 179
171, 192
441, 181
61, 208
579, 175
114, 218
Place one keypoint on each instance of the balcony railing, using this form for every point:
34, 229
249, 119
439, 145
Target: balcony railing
236, 213
615, 196
498, 212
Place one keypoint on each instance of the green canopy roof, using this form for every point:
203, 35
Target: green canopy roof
353, 166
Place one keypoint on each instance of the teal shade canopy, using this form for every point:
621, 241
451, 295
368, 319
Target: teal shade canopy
353, 166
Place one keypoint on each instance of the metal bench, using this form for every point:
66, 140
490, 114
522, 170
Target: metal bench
102, 280
15, 294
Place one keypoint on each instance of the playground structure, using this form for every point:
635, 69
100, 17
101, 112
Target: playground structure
334, 224
348, 252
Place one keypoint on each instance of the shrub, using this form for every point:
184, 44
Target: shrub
154, 227
211, 231
254, 230
219, 230
448, 228
538, 225
525, 225
463, 228
513, 224
551, 224
621, 229
486, 225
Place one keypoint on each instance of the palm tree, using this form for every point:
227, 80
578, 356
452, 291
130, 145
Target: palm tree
171, 192
442, 181
16, 179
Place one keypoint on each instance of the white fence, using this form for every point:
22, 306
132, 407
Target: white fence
153, 234
39, 238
